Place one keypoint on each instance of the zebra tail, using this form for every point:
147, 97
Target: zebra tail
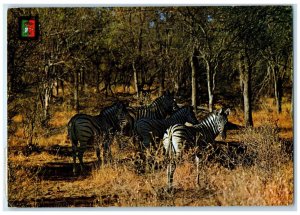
72, 134
169, 144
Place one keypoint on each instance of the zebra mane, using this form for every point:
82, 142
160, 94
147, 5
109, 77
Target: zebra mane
180, 111
210, 117
157, 107
107, 109
152, 105
109, 113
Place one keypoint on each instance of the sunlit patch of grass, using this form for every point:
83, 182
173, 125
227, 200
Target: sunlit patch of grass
131, 189
38, 159
185, 176
268, 115
19, 132
218, 106
262, 118
61, 118
237, 187
120, 89
57, 139
25, 185
16, 141
279, 189
18, 118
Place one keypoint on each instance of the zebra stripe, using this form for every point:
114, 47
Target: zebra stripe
210, 127
145, 127
179, 136
160, 108
86, 130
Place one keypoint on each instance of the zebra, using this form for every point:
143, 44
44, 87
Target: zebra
146, 129
178, 136
160, 108
85, 129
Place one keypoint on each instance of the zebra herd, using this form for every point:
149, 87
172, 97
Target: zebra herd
161, 120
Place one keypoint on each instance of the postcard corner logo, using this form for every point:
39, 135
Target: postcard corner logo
28, 27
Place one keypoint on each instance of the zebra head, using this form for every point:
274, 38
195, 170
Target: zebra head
111, 114
221, 121
169, 102
126, 123
191, 116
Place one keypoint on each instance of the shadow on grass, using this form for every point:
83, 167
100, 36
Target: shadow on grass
229, 154
56, 171
78, 201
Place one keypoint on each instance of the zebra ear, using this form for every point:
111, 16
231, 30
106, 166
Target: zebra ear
167, 93
126, 103
220, 111
227, 111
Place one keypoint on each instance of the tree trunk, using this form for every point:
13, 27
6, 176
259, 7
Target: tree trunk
81, 79
47, 93
76, 91
135, 77
209, 86
62, 88
161, 82
46, 101
277, 88
98, 78
247, 98
176, 80
194, 83
246, 70
57, 87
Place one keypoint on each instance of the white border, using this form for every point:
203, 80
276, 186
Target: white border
69, 3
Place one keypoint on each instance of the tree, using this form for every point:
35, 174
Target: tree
247, 27
278, 53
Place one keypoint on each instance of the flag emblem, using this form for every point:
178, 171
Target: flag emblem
28, 28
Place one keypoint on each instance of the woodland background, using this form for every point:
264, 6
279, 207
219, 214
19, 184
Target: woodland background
86, 58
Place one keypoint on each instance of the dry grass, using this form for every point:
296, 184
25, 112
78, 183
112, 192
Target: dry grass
61, 118
262, 176
267, 115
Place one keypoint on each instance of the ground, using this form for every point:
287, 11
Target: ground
254, 166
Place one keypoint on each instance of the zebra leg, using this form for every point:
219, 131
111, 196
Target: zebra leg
97, 146
80, 151
169, 181
99, 162
146, 142
147, 149
74, 152
170, 174
107, 149
80, 157
117, 137
198, 173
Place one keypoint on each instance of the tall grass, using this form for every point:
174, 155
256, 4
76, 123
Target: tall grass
262, 175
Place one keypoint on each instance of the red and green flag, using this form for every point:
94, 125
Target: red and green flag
28, 28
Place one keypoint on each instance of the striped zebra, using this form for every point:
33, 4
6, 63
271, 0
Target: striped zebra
86, 130
147, 129
160, 108
179, 136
